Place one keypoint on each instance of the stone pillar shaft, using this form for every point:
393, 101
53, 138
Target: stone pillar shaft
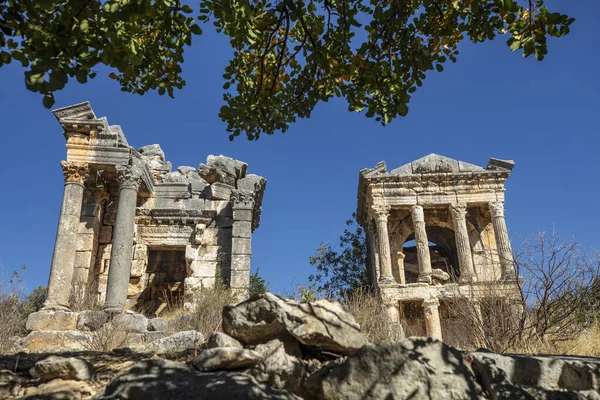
121, 255
241, 245
423, 256
463, 245
433, 324
502, 240
385, 258
63, 259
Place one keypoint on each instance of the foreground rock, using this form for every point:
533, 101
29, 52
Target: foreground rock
69, 368
162, 379
321, 323
177, 342
226, 358
415, 368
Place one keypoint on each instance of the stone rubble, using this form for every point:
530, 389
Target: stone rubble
284, 364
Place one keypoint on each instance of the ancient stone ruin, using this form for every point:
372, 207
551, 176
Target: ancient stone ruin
436, 231
135, 235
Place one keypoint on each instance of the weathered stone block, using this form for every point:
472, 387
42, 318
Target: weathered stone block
216, 236
209, 253
130, 322
89, 209
219, 191
91, 320
242, 229
203, 268
240, 279
85, 241
242, 214
241, 246
208, 283
87, 224
45, 320
191, 253
138, 268
240, 262
140, 252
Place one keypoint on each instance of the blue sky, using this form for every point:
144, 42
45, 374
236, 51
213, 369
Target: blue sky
491, 103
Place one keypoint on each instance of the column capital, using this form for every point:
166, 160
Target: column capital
74, 172
241, 199
381, 211
431, 302
458, 210
418, 215
129, 177
497, 209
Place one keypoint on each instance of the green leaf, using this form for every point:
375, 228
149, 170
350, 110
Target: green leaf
48, 100
187, 9
195, 29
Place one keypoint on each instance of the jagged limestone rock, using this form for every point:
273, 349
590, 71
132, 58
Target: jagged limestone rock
416, 368
321, 323
163, 379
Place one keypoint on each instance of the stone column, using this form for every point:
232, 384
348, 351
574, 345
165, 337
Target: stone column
385, 258
463, 245
121, 255
63, 259
433, 325
502, 240
241, 248
423, 256
401, 272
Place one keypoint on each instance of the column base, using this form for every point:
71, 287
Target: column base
55, 307
424, 278
113, 309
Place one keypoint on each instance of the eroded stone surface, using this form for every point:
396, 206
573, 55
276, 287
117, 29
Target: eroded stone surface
220, 339
48, 320
414, 368
67, 368
226, 358
321, 323
177, 342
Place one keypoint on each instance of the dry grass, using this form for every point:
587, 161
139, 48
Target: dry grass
80, 298
207, 314
370, 313
12, 312
106, 338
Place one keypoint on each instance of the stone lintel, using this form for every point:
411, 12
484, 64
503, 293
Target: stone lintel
97, 155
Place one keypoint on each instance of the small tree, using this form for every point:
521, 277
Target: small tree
342, 271
35, 301
258, 284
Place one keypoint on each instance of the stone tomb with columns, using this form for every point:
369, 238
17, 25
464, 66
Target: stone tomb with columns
135, 235
435, 230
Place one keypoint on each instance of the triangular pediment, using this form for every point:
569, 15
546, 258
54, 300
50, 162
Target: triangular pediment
436, 164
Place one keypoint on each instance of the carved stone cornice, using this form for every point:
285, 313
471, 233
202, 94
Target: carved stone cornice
459, 211
129, 176
74, 172
497, 209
